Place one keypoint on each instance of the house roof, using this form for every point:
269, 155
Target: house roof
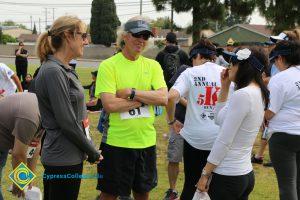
8, 27
15, 32
28, 38
258, 29
162, 33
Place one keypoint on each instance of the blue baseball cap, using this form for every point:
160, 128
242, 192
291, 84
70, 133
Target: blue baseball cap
138, 26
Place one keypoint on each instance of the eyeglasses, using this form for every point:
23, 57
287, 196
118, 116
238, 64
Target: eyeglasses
145, 36
83, 35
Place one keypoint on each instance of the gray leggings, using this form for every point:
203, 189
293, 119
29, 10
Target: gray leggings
285, 155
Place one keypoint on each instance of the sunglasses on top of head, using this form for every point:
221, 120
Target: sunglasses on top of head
145, 36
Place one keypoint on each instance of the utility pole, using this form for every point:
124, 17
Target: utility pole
141, 5
31, 23
172, 13
53, 13
45, 18
39, 25
47, 11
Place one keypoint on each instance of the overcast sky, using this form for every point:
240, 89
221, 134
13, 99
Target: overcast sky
27, 11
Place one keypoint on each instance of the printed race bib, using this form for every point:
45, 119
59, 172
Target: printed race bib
31, 149
87, 128
140, 112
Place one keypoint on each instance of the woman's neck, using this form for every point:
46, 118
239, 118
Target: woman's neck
200, 62
63, 57
253, 83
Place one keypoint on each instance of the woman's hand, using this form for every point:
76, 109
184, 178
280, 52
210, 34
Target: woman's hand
95, 159
17, 191
203, 183
100, 158
225, 82
177, 126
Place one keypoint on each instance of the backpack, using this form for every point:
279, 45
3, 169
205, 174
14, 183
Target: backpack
171, 63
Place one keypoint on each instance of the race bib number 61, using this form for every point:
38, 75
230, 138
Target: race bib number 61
140, 112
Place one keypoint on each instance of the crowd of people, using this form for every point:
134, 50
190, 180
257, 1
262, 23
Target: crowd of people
217, 101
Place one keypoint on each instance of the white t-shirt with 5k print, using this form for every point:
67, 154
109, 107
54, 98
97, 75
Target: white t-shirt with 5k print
201, 86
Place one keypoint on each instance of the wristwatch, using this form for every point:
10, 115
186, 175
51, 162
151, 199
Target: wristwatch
172, 122
205, 173
132, 94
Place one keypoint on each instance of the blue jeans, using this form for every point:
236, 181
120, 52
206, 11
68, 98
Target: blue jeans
3, 158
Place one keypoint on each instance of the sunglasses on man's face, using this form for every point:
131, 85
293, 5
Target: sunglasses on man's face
145, 36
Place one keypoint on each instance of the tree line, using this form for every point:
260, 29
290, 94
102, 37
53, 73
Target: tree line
207, 14
213, 14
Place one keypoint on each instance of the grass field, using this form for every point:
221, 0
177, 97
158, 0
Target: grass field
265, 186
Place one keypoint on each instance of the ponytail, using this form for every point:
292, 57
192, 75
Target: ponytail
43, 47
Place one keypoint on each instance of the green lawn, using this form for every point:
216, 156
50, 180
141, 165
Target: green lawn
265, 186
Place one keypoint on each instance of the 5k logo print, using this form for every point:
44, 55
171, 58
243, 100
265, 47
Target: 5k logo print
210, 97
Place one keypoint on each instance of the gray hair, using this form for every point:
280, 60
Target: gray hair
121, 33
